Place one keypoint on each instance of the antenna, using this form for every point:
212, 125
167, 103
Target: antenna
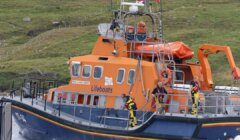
161, 19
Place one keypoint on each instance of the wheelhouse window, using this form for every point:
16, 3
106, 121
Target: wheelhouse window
80, 98
75, 69
131, 76
98, 70
86, 71
120, 76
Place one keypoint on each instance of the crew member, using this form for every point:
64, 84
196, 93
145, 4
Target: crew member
195, 95
141, 28
115, 26
130, 33
132, 107
141, 31
159, 93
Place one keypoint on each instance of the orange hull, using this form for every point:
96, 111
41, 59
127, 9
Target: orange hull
178, 49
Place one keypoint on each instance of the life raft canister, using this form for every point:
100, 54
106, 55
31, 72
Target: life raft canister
165, 76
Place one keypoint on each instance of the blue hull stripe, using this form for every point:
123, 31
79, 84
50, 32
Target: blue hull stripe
78, 130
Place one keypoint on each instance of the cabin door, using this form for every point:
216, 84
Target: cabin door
119, 103
102, 101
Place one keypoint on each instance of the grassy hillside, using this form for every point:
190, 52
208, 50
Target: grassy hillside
206, 21
38, 45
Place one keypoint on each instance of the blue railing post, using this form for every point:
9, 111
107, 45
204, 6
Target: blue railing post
45, 102
36, 91
128, 120
59, 107
74, 113
31, 91
90, 115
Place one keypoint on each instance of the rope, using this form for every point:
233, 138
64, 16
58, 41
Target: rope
137, 68
141, 79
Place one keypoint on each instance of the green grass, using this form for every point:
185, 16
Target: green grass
47, 50
207, 21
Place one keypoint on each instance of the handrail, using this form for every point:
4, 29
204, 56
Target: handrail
219, 108
139, 119
211, 104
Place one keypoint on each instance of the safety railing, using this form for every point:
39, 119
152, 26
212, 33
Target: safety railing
180, 104
75, 112
211, 104
142, 115
208, 105
214, 104
154, 50
227, 89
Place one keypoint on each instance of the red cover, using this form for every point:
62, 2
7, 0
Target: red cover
177, 49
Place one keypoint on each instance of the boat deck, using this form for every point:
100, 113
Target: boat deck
39, 105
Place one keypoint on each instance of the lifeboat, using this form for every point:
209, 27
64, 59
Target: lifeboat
178, 49
113, 95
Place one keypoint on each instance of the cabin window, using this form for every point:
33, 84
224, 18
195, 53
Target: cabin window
98, 70
86, 71
52, 95
179, 76
131, 76
120, 76
88, 100
95, 100
73, 99
59, 97
64, 98
80, 98
75, 69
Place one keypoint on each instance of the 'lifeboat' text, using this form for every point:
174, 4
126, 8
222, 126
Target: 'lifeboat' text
95, 88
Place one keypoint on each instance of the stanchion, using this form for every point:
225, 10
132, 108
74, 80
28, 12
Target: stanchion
59, 107
45, 102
